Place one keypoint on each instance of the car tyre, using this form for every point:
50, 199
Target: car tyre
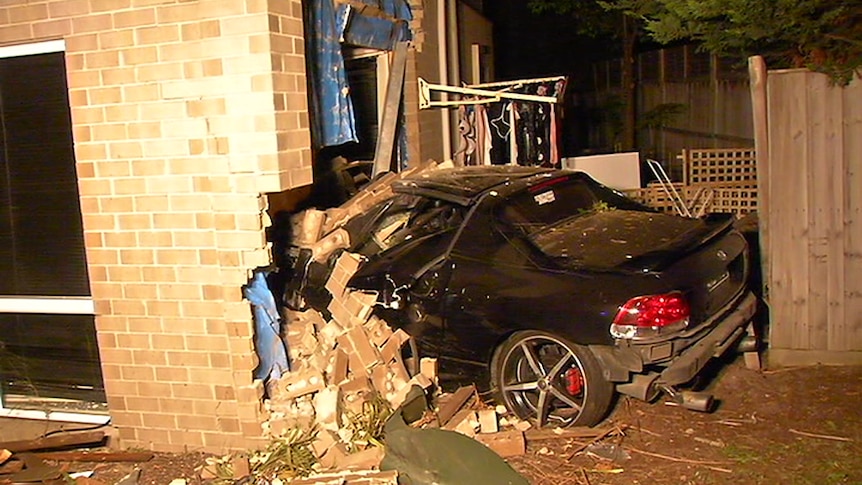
550, 381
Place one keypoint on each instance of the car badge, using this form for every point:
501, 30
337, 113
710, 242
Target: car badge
721, 255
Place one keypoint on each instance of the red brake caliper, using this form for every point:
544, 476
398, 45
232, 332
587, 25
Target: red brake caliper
574, 381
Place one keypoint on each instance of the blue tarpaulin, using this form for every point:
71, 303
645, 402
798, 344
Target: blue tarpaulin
267, 329
333, 121
375, 32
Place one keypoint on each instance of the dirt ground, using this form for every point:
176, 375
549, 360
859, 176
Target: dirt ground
788, 426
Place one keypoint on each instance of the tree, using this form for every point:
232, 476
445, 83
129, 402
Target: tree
593, 18
822, 35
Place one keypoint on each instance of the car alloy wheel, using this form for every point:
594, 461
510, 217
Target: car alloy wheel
543, 378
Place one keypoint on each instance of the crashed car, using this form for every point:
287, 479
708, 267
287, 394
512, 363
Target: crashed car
547, 288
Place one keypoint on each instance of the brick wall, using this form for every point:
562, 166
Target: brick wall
184, 112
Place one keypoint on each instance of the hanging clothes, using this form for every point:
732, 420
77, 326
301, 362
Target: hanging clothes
483, 136
522, 132
466, 135
500, 129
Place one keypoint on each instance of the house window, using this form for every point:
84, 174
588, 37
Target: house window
47, 334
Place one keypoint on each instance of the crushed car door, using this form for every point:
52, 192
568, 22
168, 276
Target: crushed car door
407, 248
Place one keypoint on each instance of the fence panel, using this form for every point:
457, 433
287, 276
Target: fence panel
815, 244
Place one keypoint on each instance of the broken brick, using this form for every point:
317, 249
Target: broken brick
360, 304
322, 249
365, 459
401, 394
488, 421
393, 345
327, 407
428, 368
377, 330
298, 383
307, 226
337, 368
340, 314
241, 467
464, 422
362, 353
505, 443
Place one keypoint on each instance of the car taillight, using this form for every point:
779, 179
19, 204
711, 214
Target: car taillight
651, 316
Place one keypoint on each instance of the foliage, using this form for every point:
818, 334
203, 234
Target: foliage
822, 35
599, 206
289, 456
366, 426
589, 17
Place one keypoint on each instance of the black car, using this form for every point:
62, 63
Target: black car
551, 289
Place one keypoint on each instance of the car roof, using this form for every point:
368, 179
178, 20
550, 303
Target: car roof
463, 185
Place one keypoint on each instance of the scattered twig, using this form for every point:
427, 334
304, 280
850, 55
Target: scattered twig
681, 460
644, 430
782, 370
716, 443
598, 438
536, 469
729, 422
739, 422
584, 476
821, 436
723, 470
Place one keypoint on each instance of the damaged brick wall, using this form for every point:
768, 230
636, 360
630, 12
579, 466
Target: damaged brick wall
184, 113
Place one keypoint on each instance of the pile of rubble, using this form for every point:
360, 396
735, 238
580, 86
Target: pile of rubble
347, 372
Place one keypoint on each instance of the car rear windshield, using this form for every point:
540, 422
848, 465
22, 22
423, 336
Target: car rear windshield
554, 200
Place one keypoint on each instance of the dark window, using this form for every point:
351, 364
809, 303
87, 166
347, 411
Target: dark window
41, 235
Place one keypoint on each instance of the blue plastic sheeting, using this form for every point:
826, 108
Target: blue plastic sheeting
270, 348
332, 120
377, 33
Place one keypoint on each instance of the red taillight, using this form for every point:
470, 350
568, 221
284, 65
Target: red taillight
647, 316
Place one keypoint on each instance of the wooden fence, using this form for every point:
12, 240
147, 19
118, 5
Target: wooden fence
718, 179
811, 220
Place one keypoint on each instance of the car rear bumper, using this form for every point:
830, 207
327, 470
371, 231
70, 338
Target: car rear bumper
640, 367
694, 358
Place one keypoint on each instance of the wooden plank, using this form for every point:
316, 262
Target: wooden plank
835, 164
819, 220
56, 441
796, 148
453, 403
789, 218
852, 147
13, 466
99, 457
797, 357
389, 122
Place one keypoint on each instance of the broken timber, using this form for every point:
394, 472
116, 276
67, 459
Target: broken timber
53, 442
391, 106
